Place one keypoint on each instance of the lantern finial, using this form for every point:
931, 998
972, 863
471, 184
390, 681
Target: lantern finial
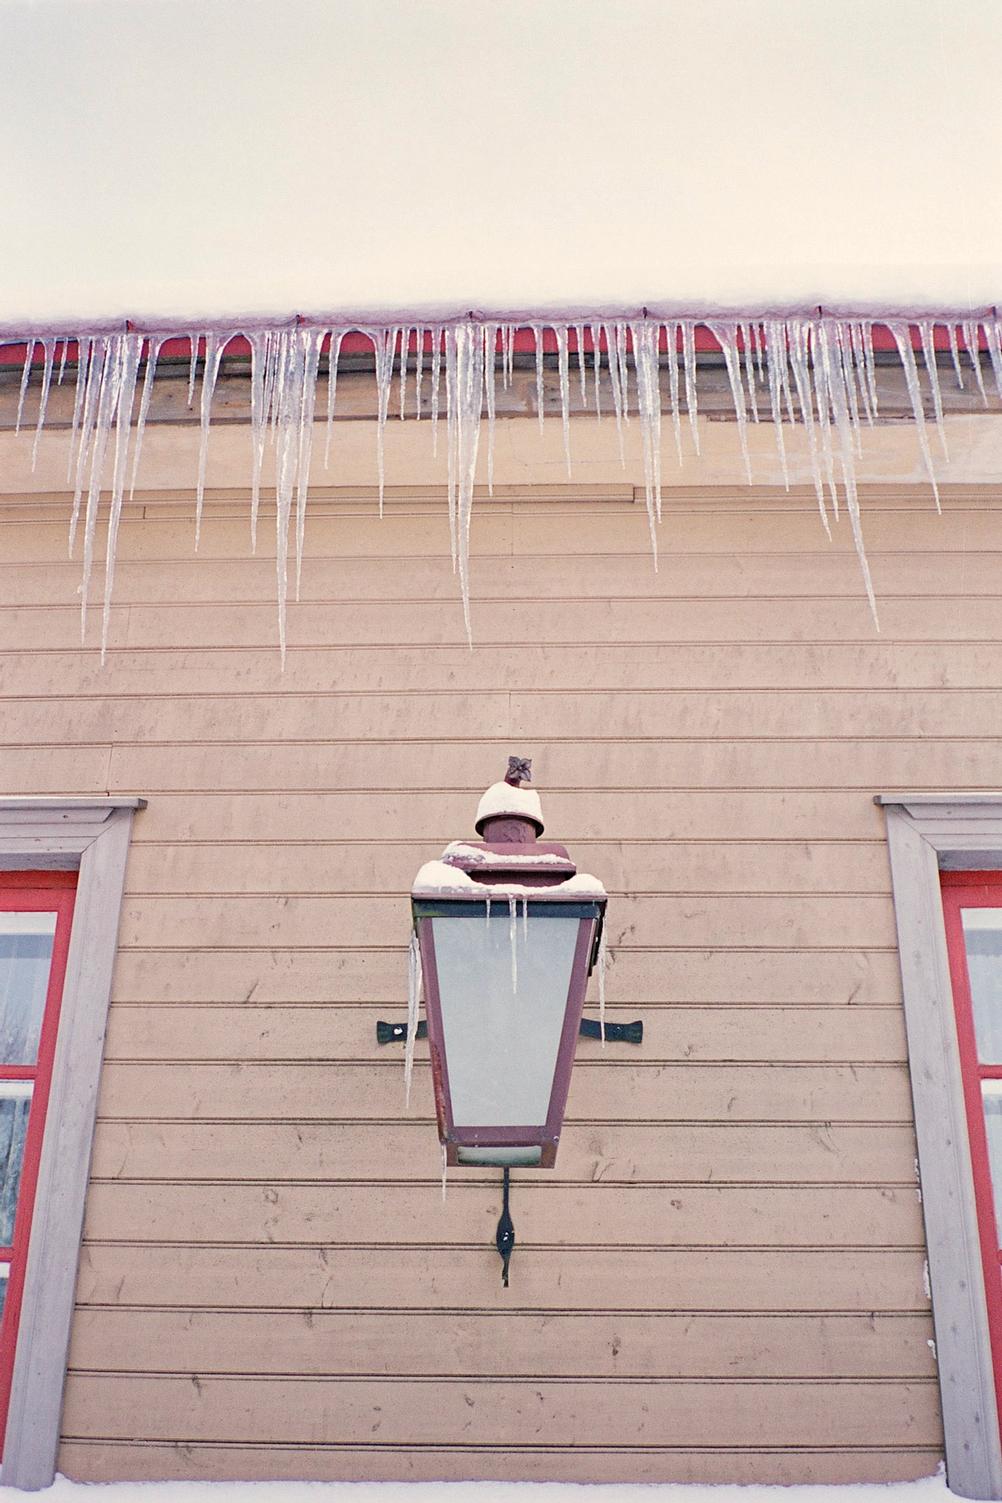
519, 771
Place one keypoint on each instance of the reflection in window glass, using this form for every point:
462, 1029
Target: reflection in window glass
15, 1103
991, 1096
983, 943
25, 957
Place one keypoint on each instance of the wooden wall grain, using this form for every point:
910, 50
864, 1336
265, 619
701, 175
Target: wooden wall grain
722, 1280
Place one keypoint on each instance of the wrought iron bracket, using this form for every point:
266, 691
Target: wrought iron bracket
590, 1028
505, 1234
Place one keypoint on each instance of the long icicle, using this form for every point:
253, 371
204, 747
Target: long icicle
131, 352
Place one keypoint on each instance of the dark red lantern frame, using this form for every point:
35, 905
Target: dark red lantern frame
589, 913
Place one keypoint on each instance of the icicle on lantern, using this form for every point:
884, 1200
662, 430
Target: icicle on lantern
818, 371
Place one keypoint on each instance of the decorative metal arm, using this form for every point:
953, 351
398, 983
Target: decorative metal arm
505, 1235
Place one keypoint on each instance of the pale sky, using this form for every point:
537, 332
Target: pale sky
204, 159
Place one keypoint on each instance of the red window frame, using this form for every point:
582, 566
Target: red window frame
961, 890
25, 892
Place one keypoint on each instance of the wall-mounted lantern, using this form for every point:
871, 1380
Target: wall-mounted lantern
507, 934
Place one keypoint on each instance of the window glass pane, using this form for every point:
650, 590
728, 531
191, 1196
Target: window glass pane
4, 1276
25, 957
15, 1103
503, 991
983, 943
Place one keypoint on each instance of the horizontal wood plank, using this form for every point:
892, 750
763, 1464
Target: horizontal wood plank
332, 1343
550, 1215
644, 1153
176, 1031
423, 1278
420, 1413
601, 1091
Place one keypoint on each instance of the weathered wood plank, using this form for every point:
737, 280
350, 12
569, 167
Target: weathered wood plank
426, 717
408, 1279
112, 1461
332, 1343
601, 1090
556, 1413
801, 922
176, 1031
552, 1215
864, 664
829, 977
692, 1153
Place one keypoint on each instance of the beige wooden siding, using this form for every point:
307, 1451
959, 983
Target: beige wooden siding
722, 1279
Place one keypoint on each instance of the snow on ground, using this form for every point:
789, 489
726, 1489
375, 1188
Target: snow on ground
929, 1490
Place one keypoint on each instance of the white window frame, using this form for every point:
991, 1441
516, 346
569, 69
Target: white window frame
929, 833
91, 836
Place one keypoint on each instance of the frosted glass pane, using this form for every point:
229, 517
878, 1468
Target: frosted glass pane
25, 958
983, 943
502, 1021
15, 1104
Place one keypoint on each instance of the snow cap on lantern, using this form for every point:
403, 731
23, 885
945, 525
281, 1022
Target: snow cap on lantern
509, 801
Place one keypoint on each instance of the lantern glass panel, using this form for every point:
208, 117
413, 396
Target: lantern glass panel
503, 988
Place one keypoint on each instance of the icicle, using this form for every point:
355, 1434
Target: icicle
757, 339
413, 1000
859, 365
192, 367
797, 355
671, 343
927, 333
600, 964
308, 350
645, 359
951, 331
97, 357
62, 361
445, 1171
29, 351
513, 940
847, 375
870, 362
384, 344
261, 360
817, 365
490, 333
579, 335
48, 355
525, 920
973, 343
333, 356
746, 340
537, 334
595, 332
466, 344
405, 340
287, 409
689, 363
152, 352
843, 427
774, 343
993, 339
131, 352
902, 338
487, 901
623, 361
436, 366
450, 444
215, 344
726, 336
563, 369
418, 372
617, 390
107, 405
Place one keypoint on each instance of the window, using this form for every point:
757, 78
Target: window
36, 910
75, 851
946, 873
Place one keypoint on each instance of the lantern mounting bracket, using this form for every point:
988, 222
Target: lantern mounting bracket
589, 1028
505, 1235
